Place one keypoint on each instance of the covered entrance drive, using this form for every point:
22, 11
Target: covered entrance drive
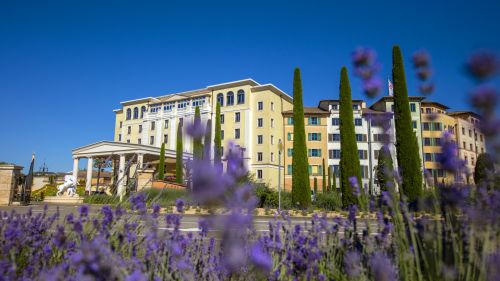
128, 160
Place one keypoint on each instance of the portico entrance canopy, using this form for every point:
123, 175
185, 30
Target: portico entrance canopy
137, 153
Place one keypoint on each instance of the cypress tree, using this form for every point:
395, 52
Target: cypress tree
207, 145
407, 150
385, 169
301, 189
161, 165
349, 158
324, 176
217, 137
197, 145
329, 189
484, 166
315, 185
334, 183
179, 169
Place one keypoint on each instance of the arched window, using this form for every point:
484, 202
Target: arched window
241, 97
143, 109
136, 112
230, 98
220, 99
129, 113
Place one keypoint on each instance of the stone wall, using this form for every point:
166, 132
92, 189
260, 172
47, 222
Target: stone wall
8, 175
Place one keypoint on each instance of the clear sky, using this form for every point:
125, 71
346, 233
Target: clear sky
65, 65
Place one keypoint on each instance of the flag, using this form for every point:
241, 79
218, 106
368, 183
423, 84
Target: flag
391, 87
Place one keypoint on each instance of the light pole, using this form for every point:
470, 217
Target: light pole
280, 147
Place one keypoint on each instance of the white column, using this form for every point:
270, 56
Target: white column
121, 177
140, 160
88, 184
75, 168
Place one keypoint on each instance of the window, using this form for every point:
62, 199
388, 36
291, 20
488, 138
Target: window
364, 172
199, 101
165, 138
463, 131
313, 121
360, 137
128, 141
427, 142
380, 137
129, 114
471, 147
260, 122
333, 137
470, 133
241, 97
220, 99
221, 134
375, 154
272, 106
290, 136
414, 124
314, 152
480, 137
260, 105
139, 141
336, 170
237, 117
230, 98
314, 136
121, 124
290, 152
289, 169
272, 139
428, 157
119, 137
315, 170
168, 106
140, 129
136, 112
153, 125
355, 106
428, 110
260, 139
222, 118
152, 140
143, 109
437, 126
259, 174
182, 104
426, 126
465, 146
129, 129
358, 122
166, 124
334, 154
335, 107
237, 134
466, 160
472, 160
272, 122
259, 156
290, 120
475, 136
363, 154
392, 108
413, 107
272, 157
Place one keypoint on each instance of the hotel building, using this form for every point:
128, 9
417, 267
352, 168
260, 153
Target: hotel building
257, 117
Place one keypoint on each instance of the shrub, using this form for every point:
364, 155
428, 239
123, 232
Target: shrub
330, 201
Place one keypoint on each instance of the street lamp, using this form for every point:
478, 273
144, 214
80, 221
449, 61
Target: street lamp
280, 148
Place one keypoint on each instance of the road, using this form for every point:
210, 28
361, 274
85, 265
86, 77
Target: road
189, 223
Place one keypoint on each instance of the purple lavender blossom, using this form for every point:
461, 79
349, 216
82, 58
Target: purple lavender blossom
483, 64
196, 129
363, 56
352, 264
372, 87
260, 258
179, 205
484, 98
449, 155
84, 210
353, 181
421, 59
426, 88
382, 268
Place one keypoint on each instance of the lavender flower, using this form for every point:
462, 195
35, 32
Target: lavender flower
260, 259
84, 210
484, 98
421, 59
482, 64
449, 155
179, 205
372, 87
381, 267
352, 264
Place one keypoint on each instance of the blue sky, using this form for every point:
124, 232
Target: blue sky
65, 65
